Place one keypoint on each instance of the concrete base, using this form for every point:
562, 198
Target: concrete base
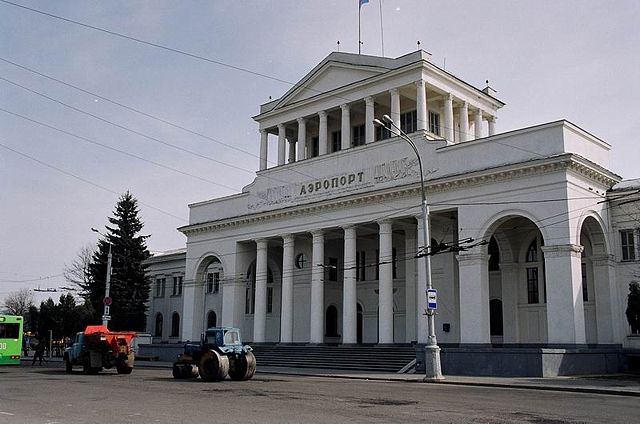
527, 361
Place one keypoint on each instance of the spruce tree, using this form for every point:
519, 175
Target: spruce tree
129, 284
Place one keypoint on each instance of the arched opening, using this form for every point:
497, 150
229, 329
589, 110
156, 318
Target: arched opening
210, 279
359, 314
331, 322
157, 331
175, 325
250, 290
212, 319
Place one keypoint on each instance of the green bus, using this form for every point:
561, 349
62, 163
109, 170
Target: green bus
10, 339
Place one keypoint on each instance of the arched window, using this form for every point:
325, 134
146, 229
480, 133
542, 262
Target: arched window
158, 328
175, 325
211, 319
495, 317
331, 321
494, 255
533, 280
532, 251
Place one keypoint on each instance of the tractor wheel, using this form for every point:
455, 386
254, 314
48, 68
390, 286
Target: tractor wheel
178, 371
86, 365
244, 367
124, 369
191, 371
67, 365
213, 366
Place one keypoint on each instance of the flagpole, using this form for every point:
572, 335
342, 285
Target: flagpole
381, 29
359, 8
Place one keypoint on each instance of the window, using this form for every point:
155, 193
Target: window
158, 328
495, 317
333, 269
175, 325
331, 322
358, 138
160, 285
213, 282
269, 299
382, 133
628, 245
585, 290
177, 286
212, 319
532, 252
336, 141
434, 123
409, 121
494, 255
532, 285
360, 266
315, 147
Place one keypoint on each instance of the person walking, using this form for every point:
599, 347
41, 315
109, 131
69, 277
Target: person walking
39, 352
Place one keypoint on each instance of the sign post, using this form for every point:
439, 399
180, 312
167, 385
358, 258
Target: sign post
432, 299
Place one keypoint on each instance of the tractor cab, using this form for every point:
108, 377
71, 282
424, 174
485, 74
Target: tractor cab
224, 338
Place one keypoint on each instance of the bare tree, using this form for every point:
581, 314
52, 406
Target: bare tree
19, 302
77, 273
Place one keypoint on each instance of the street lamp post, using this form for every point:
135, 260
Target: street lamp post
106, 316
433, 369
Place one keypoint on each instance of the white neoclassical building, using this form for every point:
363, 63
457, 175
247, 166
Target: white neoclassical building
321, 247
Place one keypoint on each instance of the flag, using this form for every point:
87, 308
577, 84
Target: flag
363, 2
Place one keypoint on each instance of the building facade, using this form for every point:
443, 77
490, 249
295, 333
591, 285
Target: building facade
321, 247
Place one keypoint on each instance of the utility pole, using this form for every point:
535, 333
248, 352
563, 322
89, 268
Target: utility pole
106, 316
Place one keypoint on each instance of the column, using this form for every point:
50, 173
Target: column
345, 129
509, 276
264, 149
322, 133
292, 150
606, 295
349, 291
474, 298
565, 310
282, 146
317, 288
477, 123
492, 125
303, 152
410, 251
421, 288
395, 106
260, 312
370, 131
286, 315
464, 122
448, 117
421, 106
385, 283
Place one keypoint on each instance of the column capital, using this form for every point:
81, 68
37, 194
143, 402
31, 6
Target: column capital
394, 91
345, 107
369, 100
261, 243
322, 114
288, 237
448, 96
478, 112
465, 104
492, 118
317, 233
419, 83
301, 120
348, 226
281, 127
262, 131
561, 250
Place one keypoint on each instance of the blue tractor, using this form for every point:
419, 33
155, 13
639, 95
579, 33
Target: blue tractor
219, 353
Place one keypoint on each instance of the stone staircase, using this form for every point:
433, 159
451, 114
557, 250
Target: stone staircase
383, 358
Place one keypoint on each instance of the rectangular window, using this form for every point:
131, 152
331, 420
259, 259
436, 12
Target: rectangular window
360, 266
210, 282
160, 286
333, 269
315, 147
175, 286
585, 290
628, 245
216, 282
336, 141
409, 121
532, 285
382, 133
269, 299
434, 123
358, 138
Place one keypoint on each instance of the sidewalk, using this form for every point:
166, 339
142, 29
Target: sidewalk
612, 384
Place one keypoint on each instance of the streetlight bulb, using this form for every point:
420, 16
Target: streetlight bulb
378, 122
387, 119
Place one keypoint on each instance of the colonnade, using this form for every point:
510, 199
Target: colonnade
302, 143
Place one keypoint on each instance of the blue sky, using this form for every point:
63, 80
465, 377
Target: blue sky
548, 60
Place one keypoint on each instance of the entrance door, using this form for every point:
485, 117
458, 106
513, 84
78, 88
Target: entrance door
359, 325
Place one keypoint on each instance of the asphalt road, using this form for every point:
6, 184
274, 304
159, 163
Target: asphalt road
49, 395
